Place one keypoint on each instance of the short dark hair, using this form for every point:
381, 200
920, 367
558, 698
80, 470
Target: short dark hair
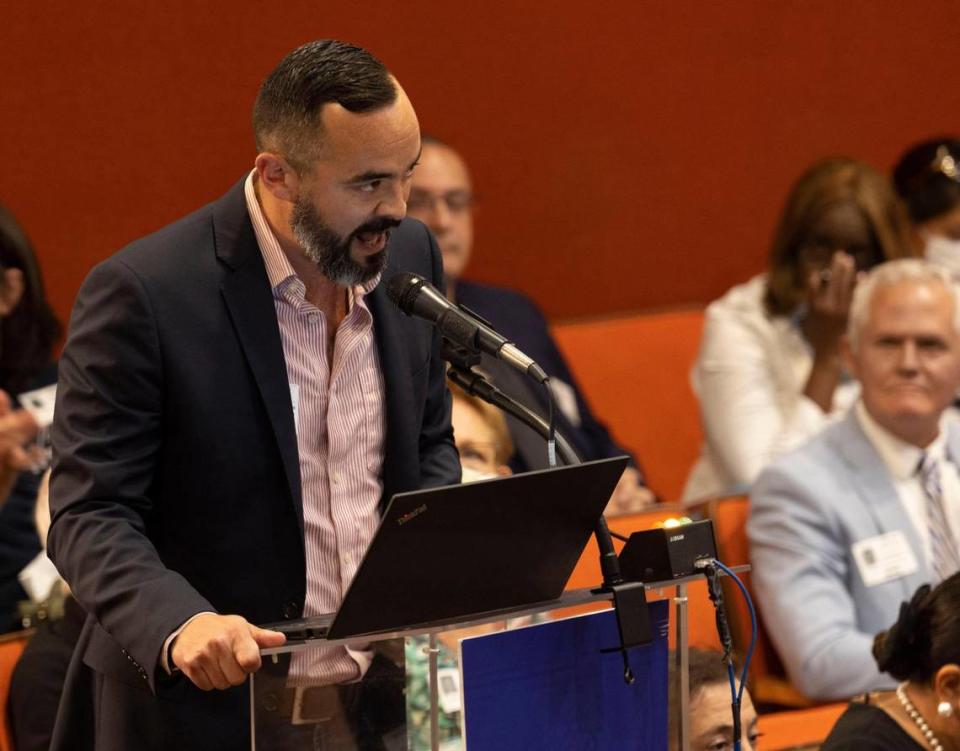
829, 183
926, 635
927, 177
707, 667
29, 332
286, 114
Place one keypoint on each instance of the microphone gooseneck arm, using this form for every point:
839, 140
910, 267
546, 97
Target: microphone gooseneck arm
464, 335
475, 384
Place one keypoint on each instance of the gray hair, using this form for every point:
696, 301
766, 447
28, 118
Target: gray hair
887, 275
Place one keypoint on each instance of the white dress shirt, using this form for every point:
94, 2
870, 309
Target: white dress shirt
902, 460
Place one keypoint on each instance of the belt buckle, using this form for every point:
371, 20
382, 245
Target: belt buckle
314, 704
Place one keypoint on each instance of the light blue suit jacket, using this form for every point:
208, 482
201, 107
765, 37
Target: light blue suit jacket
806, 511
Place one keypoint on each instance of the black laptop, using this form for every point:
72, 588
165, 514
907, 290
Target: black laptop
463, 550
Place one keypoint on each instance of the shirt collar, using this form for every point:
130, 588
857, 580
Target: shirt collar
283, 278
901, 458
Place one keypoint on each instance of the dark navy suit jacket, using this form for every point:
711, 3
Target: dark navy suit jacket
519, 320
176, 481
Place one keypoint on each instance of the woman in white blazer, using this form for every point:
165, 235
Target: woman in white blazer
769, 375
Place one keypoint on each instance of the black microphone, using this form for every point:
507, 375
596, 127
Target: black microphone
416, 297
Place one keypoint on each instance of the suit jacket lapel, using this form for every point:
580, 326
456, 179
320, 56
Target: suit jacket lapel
880, 499
249, 299
401, 449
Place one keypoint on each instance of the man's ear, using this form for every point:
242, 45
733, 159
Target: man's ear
11, 290
277, 176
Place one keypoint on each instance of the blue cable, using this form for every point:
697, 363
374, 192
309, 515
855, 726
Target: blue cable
737, 741
753, 628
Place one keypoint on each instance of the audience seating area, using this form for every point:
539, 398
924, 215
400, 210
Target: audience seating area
635, 372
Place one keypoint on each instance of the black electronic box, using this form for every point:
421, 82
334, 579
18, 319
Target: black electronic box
667, 553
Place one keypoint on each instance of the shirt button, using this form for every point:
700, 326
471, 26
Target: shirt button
336, 478
313, 317
290, 610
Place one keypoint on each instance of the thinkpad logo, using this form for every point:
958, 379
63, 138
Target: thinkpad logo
412, 514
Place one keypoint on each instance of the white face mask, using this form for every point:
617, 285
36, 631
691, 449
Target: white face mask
473, 475
944, 252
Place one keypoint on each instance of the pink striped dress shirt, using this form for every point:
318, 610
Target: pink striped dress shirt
339, 413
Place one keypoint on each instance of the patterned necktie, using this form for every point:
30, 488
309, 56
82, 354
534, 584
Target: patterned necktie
943, 547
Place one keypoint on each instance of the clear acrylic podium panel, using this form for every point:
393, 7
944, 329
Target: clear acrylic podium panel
400, 702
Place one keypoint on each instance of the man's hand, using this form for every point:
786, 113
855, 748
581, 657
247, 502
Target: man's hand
630, 496
219, 651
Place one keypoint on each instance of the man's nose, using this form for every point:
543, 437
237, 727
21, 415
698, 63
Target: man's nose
394, 204
909, 359
440, 216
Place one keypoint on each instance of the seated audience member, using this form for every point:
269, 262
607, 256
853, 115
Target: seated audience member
927, 177
847, 526
711, 719
922, 651
37, 680
441, 197
769, 373
17, 429
482, 437
28, 332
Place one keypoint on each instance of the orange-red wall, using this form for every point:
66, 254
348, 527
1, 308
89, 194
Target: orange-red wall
628, 154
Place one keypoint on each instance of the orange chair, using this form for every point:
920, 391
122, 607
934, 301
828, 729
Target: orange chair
769, 685
700, 614
11, 646
636, 373
797, 728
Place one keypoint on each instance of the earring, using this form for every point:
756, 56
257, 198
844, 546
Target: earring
944, 709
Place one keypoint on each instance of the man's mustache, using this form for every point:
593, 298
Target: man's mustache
381, 224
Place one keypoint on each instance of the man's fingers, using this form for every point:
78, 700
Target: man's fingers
197, 676
246, 652
216, 651
265, 638
215, 675
231, 668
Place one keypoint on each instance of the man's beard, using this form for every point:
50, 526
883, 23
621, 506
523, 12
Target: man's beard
331, 252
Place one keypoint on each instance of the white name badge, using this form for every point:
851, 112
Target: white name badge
884, 558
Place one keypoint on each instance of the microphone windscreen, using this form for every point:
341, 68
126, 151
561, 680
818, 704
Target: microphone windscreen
402, 289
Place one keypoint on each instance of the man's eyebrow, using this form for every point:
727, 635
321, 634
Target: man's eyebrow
717, 730
371, 175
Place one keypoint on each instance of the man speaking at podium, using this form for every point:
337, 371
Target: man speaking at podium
237, 401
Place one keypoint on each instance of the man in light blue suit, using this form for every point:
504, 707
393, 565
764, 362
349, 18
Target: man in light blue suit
845, 528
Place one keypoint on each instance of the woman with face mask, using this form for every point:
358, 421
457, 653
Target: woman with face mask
927, 177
